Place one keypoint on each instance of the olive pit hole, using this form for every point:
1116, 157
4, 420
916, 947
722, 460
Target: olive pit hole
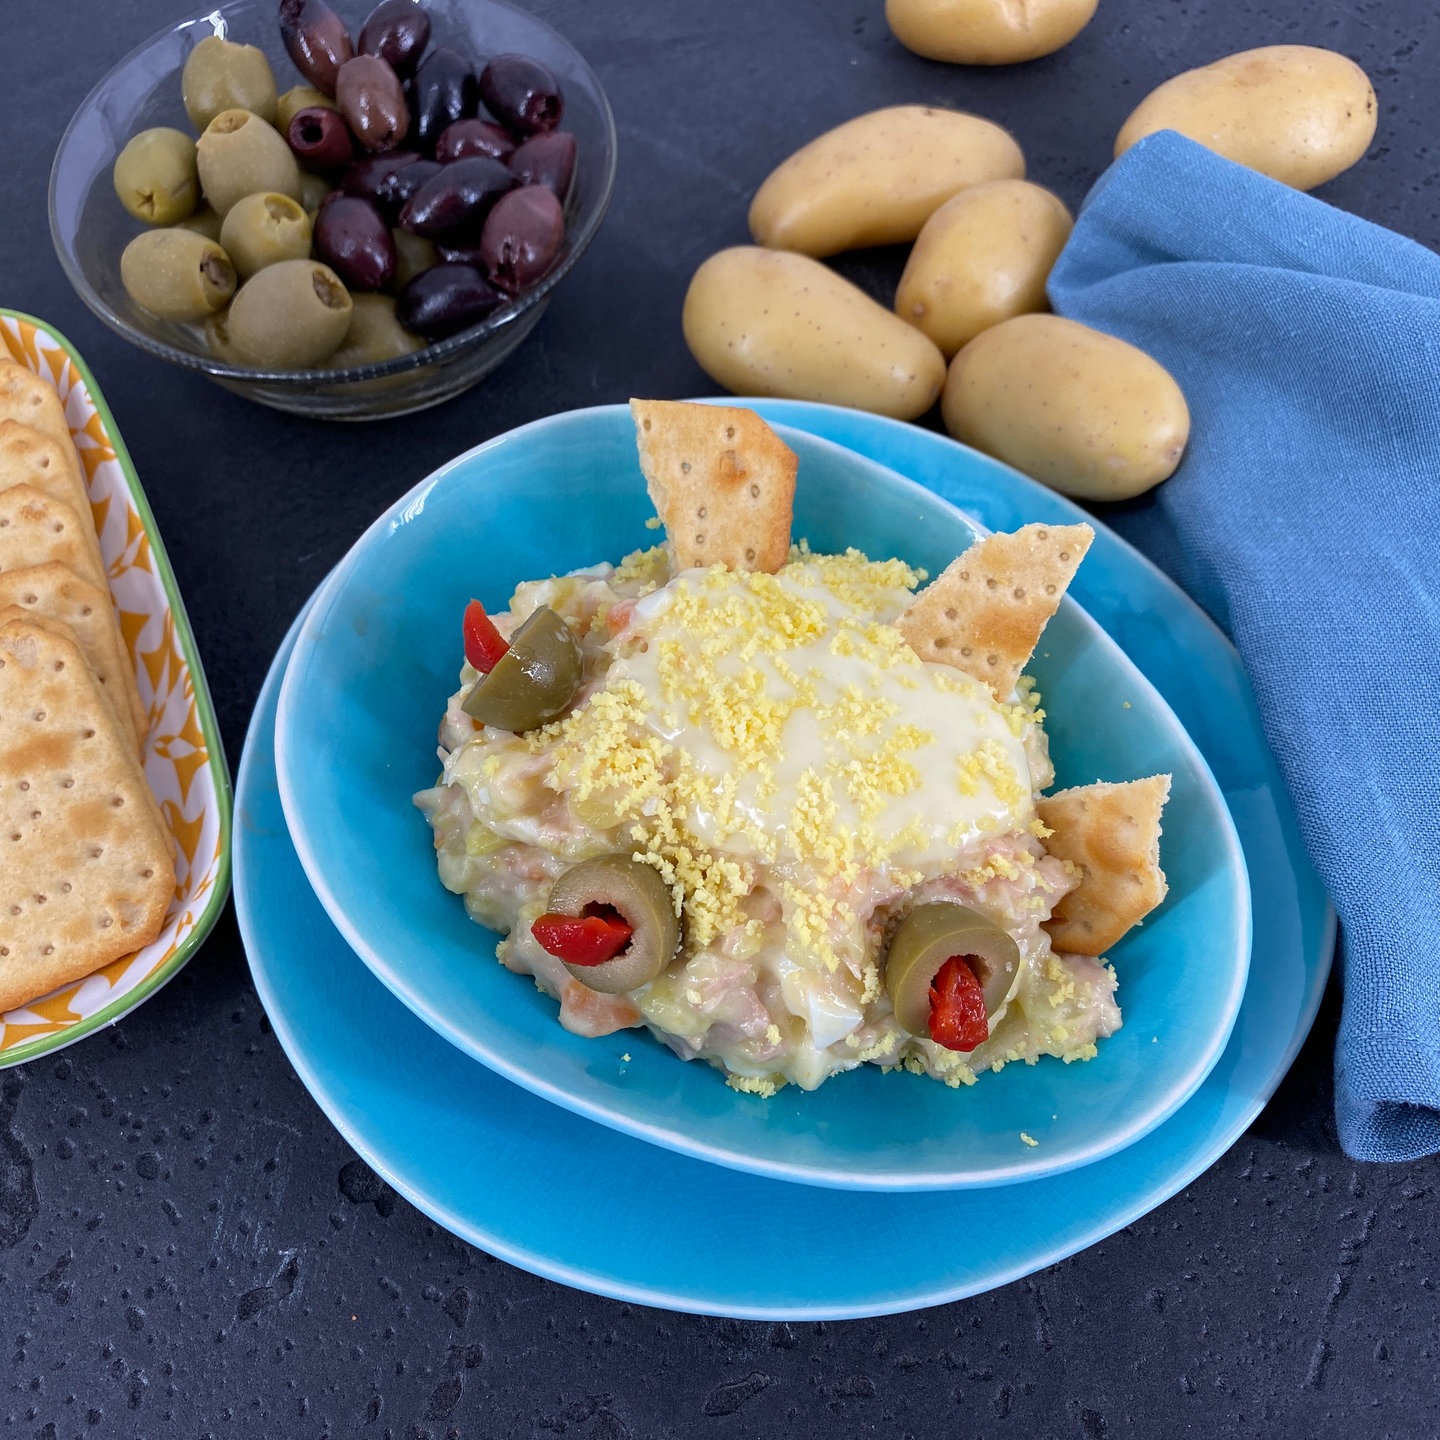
332, 295
217, 269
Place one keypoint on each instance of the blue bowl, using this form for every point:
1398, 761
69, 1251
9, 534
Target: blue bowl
363, 693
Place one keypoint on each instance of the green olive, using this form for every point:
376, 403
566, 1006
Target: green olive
929, 936
221, 75
374, 335
263, 229
414, 254
156, 177
217, 337
313, 190
239, 154
203, 222
535, 679
643, 901
177, 274
296, 99
289, 315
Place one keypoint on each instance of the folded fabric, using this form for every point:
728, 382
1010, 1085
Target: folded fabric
1305, 518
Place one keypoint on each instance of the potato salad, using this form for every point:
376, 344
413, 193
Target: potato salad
777, 807
797, 778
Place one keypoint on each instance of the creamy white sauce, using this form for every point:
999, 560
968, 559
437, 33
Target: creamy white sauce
951, 716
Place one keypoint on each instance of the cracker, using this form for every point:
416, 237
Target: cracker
52, 592
56, 590
984, 612
36, 530
722, 481
29, 458
1111, 834
87, 872
24, 396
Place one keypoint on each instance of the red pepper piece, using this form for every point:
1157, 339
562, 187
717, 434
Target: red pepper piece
483, 642
957, 1007
581, 939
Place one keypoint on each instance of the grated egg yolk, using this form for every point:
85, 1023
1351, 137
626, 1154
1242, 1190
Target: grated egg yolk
777, 731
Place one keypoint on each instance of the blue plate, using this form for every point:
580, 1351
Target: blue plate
358, 710
509, 1172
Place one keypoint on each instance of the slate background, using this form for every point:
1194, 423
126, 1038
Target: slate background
186, 1247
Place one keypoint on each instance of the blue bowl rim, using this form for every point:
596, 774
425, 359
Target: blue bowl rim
1031, 1165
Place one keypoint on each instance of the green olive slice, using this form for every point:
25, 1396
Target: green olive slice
533, 681
636, 891
925, 939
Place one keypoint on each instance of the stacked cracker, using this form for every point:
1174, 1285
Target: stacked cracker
724, 483
86, 865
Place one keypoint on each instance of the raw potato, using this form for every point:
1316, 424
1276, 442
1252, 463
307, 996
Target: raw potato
878, 178
987, 32
1079, 411
1294, 112
983, 257
766, 322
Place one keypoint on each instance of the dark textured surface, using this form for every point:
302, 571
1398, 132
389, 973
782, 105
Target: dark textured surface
188, 1249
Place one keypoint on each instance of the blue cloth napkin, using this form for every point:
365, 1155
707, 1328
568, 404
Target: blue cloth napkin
1305, 518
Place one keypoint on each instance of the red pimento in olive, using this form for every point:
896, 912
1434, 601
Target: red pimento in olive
957, 1007
948, 971
582, 940
484, 645
622, 928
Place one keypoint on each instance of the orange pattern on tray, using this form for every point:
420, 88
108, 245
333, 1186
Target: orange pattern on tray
176, 753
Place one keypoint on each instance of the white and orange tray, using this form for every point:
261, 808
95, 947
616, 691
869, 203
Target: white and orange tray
184, 762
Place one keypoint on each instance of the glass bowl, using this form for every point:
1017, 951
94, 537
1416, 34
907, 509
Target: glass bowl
90, 227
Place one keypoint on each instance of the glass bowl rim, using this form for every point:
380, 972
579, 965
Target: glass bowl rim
451, 347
